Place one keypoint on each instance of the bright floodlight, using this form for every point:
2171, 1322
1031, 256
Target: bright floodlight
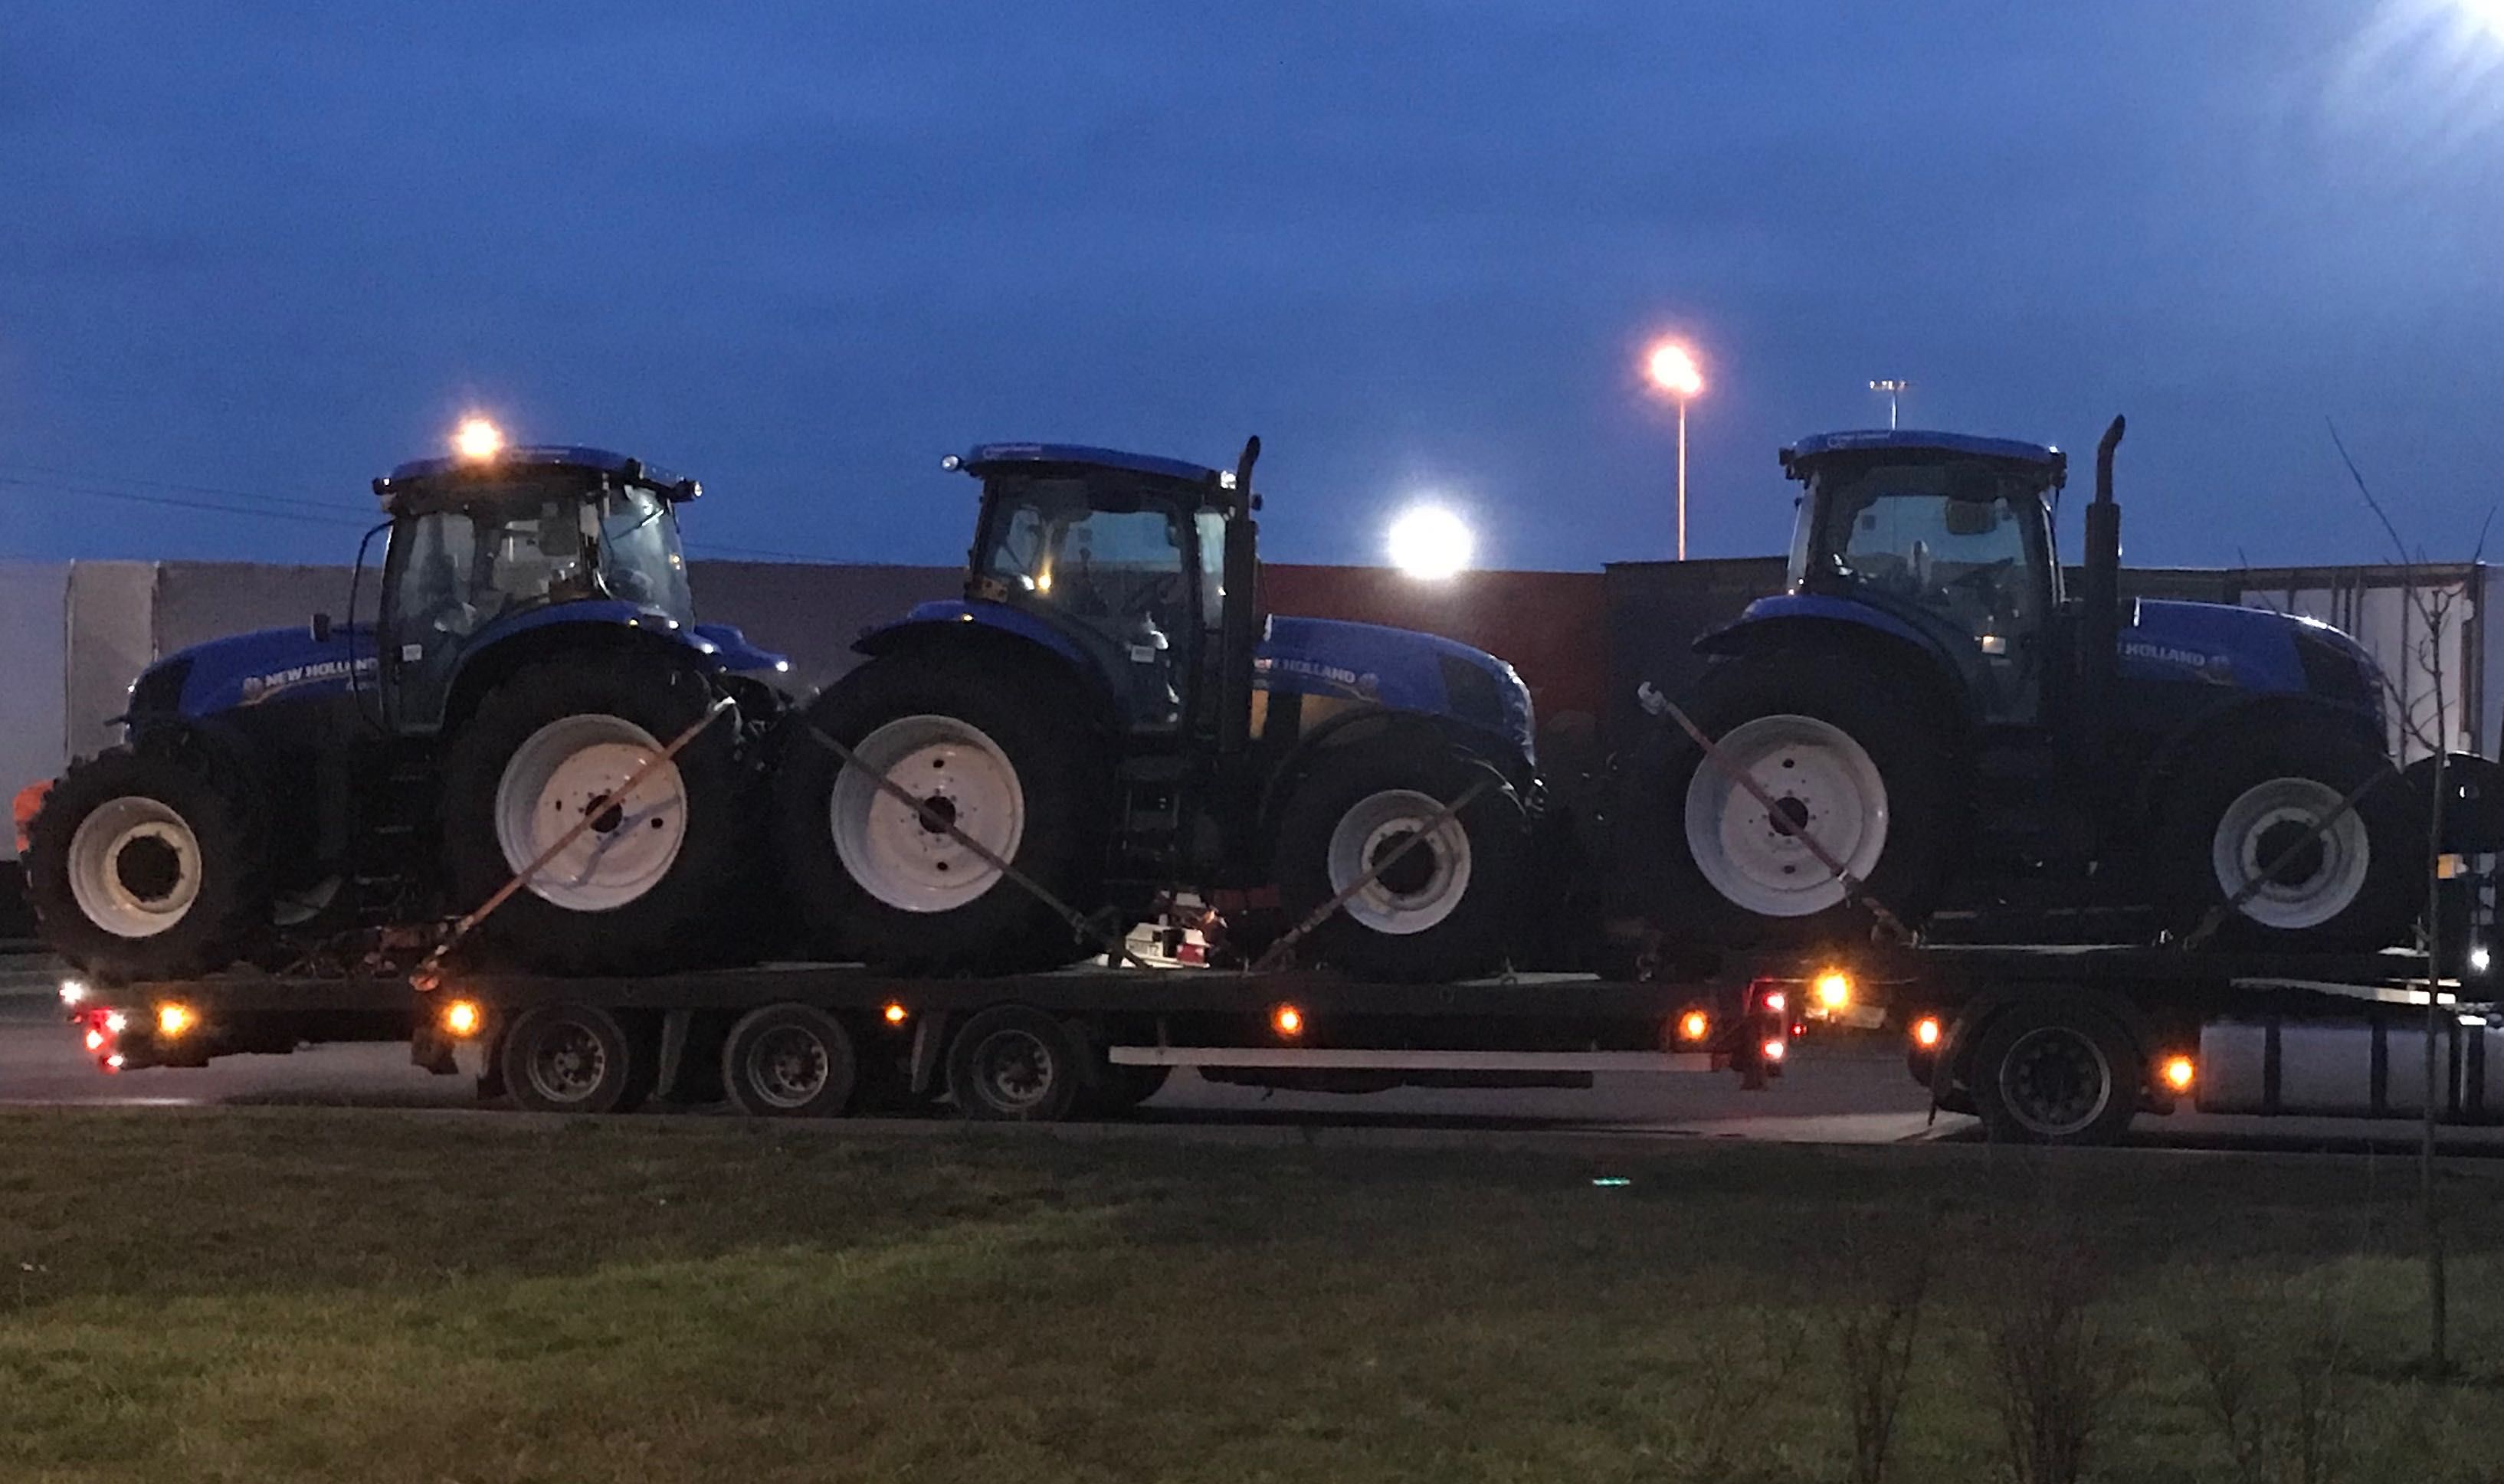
1429, 542
478, 438
1673, 371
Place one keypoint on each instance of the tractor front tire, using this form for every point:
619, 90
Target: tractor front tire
2252, 803
139, 866
1006, 762
657, 879
1447, 909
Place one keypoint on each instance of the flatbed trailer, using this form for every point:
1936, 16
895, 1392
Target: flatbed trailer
2067, 1045
799, 1040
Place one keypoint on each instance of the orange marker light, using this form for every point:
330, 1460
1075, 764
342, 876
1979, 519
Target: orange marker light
2180, 1071
462, 1018
1926, 1031
1834, 989
1287, 1020
172, 1019
1693, 1026
894, 1013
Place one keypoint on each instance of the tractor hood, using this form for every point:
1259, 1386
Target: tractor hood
1397, 668
2252, 650
254, 668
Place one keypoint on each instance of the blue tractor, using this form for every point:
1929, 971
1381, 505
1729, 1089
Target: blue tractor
1109, 711
282, 792
1930, 707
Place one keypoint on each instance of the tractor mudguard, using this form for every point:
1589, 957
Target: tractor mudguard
1373, 722
1812, 620
937, 617
2217, 725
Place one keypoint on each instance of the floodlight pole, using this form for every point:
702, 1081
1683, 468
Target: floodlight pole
1682, 480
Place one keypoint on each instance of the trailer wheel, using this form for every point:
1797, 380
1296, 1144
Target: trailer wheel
657, 878
1011, 1063
576, 1058
1005, 760
2055, 1073
2354, 887
1443, 910
790, 1061
139, 867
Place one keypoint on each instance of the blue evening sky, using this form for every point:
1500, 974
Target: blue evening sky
802, 251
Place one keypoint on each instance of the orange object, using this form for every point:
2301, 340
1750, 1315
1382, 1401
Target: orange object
1926, 1031
24, 809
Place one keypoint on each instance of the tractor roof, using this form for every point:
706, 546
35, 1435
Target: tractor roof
986, 457
1912, 441
538, 457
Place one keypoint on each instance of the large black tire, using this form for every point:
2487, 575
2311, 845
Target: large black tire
602, 906
2237, 810
577, 1058
2056, 1073
1015, 763
790, 1061
1445, 909
1015, 1064
1803, 724
139, 866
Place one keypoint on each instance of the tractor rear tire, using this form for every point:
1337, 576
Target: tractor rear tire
2246, 803
1863, 765
1012, 767
655, 883
139, 866
1445, 909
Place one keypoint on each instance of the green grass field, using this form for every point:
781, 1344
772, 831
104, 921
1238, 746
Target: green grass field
282, 1294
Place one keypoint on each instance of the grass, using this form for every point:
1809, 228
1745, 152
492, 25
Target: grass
299, 1295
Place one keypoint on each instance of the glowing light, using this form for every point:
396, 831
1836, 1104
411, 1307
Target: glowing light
894, 1013
114, 1061
1834, 989
173, 1018
1926, 1031
115, 1022
2178, 1073
462, 1018
1672, 367
74, 991
1431, 543
477, 439
1610, 1182
1693, 1026
1774, 1050
1287, 1020
96, 1040
2478, 961
1776, 1002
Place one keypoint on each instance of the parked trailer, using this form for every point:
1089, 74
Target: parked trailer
818, 1039
2069, 1044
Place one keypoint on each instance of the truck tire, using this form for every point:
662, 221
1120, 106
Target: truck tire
2245, 804
1863, 764
1014, 1064
1009, 763
1447, 909
2055, 1073
140, 867
576, 1058
655, 883
790, 1061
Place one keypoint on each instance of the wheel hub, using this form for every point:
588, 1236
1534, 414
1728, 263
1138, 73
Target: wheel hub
568, 1063
788, 1066
576, 766
1415, 891
2326, 870
1824, 787
134, 866
1017, 1070
904, 854
2055, 1081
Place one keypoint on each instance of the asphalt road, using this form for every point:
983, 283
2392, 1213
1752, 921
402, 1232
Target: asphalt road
1835, 1092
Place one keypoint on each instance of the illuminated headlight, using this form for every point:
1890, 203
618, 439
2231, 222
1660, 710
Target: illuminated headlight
2478, 962
74, 991
115, 1022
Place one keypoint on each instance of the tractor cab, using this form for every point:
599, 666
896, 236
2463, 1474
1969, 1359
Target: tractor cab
1140, 566
480, 545
1945, 540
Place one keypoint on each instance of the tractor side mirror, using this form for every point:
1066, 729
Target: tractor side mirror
320, 628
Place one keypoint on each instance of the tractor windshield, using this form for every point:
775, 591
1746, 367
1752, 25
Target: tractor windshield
1078, 549
639, 559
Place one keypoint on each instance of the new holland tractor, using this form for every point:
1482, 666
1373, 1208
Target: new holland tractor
536, 644
1109, 712
1929, 708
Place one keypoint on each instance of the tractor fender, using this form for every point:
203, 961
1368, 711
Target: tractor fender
2214, 731
994, 633
1809, 622
544, 632
1375, 723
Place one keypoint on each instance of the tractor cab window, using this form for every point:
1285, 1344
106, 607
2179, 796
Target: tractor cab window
453, 571
1957, 545
1112, 564
640, 558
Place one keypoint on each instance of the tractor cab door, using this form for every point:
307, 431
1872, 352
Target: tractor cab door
1959, 551
1118, 569
451, 574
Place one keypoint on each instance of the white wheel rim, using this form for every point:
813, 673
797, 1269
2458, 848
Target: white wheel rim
134, 866
884, 843
2261, 824
558, 772
1422, 887
1825, 785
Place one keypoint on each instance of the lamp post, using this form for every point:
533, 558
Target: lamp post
1673, 371
1894, 389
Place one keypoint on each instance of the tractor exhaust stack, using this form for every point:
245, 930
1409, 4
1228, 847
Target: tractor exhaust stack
2099, 618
